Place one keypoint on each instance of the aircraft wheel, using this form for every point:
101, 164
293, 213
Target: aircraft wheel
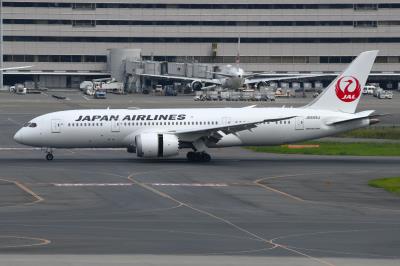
49, 157
204, 157
191, 156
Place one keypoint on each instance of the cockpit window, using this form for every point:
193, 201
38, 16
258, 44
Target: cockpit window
29, 124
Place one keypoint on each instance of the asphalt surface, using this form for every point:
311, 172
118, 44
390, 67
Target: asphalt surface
106, 207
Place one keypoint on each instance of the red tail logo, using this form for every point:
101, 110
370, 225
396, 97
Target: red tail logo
348, 89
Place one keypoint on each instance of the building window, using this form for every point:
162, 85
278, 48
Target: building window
84, 23
84, 6
365, 24
365, 7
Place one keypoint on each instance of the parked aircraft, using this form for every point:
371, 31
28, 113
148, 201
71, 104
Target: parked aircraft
159, 133
230, 76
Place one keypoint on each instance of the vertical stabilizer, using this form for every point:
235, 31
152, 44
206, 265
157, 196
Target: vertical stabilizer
344, 93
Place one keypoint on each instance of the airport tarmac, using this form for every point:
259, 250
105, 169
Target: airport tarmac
106, 207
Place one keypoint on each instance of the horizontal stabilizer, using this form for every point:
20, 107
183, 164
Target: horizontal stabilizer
359, 116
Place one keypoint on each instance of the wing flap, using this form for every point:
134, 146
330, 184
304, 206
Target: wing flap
215, 132
267, 79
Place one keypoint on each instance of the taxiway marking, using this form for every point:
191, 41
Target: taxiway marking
14, 122
258, 183
25, 189
41, 241
241, 229
86, 98
91, 184
29, 191
189, 184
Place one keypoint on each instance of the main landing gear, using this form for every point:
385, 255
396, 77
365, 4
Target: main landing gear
198, 156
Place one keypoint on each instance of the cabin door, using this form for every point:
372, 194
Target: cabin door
56, 126
299, 123
115, 126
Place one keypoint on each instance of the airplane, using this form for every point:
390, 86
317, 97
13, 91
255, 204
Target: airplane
160, 133
230, 77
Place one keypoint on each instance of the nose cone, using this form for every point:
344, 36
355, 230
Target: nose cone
18, 136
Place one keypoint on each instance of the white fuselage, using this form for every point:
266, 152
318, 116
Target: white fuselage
236, 79
105, 128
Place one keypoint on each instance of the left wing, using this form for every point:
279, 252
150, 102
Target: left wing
168, 77
267, 79
214, 133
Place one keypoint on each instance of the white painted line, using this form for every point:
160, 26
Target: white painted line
14, 122
19, 149
92, 184
86, 98
189, 184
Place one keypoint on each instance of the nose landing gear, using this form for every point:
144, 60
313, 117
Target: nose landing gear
49, 154
49, 157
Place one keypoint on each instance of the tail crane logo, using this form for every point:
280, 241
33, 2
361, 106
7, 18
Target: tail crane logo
348, 89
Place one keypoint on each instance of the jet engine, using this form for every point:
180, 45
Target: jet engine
153, 145
196, 85
263, 84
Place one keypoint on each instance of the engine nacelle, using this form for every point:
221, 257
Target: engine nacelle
152, 145
196, 85
263, 84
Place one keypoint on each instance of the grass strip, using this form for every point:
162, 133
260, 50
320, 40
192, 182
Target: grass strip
373, 133
336, 148
391, 184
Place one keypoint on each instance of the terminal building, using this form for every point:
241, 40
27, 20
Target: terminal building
67, 41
